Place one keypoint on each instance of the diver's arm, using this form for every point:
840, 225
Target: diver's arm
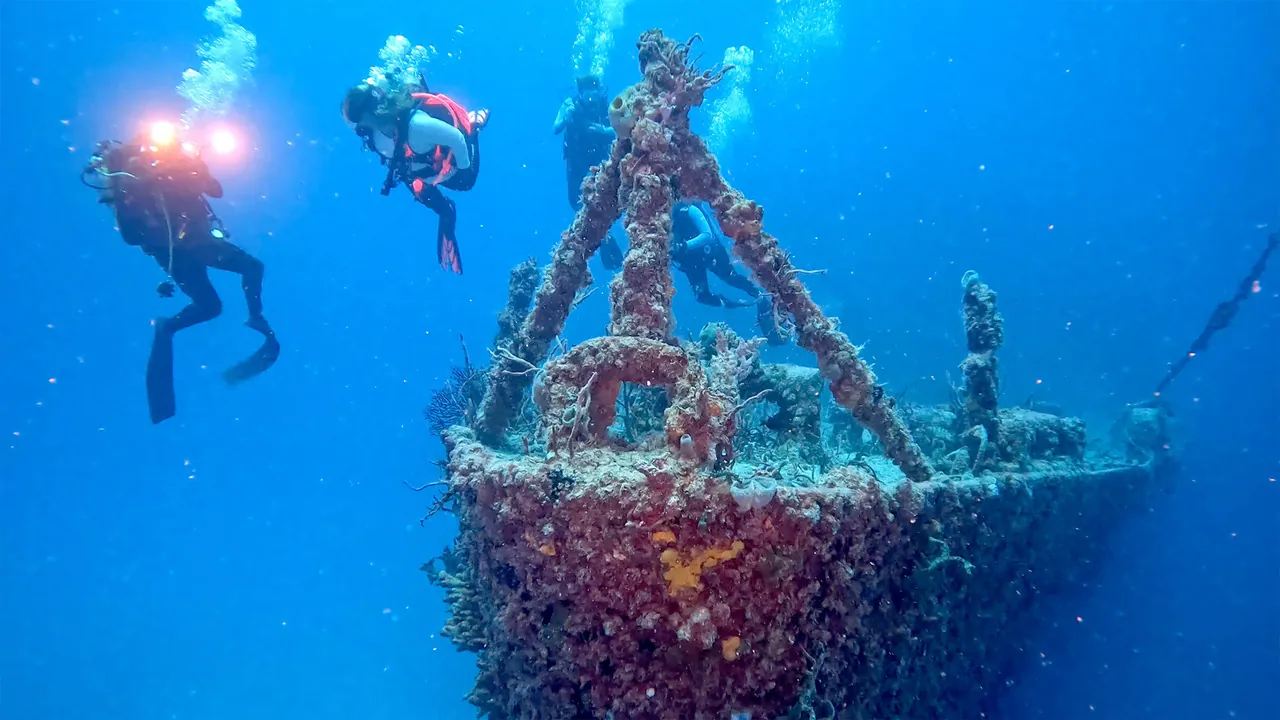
602, 130
703, 227
700, 241
425, 132
209, 184
562, 116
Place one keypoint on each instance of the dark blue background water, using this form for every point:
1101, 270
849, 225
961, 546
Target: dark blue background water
258, 555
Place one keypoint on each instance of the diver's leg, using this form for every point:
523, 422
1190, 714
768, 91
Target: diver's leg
740, 281
192, 277
697, 276
464, 180
231, 258
223, 255
575, 174
574, 182
718, 259
611, 252
473, 147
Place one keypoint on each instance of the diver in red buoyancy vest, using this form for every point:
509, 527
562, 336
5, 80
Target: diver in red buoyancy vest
427, 141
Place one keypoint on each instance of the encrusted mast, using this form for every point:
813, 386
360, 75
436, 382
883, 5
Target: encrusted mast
984, 333
656, 154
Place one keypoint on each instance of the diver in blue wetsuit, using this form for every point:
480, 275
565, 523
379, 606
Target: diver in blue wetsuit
696, 249
583, 120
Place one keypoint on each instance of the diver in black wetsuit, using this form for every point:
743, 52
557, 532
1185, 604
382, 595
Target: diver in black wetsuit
584, 122
158, 194
696, 249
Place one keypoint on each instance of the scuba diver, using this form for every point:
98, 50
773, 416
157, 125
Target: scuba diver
696, 249
584, 122
157, 188
427, 141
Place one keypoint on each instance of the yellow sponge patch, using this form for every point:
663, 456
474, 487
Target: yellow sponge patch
664, 536
685, 572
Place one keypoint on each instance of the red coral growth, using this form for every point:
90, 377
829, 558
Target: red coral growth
663, 600
578, 395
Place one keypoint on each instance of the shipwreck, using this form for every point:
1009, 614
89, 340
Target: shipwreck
657, 529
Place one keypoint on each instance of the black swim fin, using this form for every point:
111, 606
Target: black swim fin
255, 364
160, 395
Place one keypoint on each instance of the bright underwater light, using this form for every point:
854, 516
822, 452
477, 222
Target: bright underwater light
163, 132
223, 141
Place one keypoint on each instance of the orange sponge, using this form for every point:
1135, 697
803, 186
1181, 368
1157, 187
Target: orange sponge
682, 573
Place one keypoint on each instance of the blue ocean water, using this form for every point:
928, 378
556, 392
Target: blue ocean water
1111, 169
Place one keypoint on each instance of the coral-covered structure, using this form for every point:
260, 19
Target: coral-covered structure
681, 576
984, 334
520, 289
656, 147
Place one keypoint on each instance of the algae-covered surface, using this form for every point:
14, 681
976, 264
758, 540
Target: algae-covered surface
632, 584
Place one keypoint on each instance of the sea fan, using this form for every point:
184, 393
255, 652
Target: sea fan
454, 403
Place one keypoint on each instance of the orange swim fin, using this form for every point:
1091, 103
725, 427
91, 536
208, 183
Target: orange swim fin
448, 254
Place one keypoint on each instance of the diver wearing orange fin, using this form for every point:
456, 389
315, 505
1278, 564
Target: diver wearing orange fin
427, 141
157, 187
